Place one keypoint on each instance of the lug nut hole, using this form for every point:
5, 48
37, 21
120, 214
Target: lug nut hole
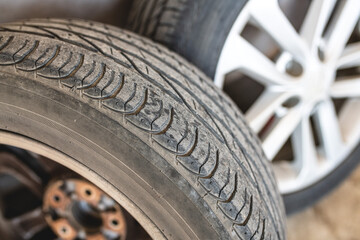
291, 102
115, 222
64, 230
57, 198
294, 68
88, 192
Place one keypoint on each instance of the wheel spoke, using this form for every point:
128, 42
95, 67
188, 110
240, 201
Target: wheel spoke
341, 27
346, 88
304, 149
315, 22
238, 54
9, 164
328, 129
28, 224
350, 57
269, 17
264, 108
349, 119
277, 137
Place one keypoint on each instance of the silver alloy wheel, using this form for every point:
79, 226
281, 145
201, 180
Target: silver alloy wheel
300, 86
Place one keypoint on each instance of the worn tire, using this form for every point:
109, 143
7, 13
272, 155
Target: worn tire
142, 120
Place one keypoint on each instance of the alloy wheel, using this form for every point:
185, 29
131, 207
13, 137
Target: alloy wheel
310, 98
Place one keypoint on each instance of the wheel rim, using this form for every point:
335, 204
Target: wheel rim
85, 216
315, 68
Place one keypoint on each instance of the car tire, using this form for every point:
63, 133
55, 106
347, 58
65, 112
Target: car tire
197, 30
141, 123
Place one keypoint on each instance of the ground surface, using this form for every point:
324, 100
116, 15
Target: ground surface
336, 217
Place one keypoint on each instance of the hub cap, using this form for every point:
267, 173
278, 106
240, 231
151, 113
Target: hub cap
311, 97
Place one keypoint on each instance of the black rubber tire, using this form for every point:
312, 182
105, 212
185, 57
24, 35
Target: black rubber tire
143, 120
197, 30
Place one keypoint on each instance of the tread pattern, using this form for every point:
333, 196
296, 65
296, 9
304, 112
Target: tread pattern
160, 94
156, 19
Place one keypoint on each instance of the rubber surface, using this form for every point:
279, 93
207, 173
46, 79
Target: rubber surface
167, 105
196, 29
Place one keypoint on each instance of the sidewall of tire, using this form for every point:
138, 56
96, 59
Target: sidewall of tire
111, 152
202, 31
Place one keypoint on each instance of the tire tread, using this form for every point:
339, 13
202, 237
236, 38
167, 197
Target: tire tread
161, 95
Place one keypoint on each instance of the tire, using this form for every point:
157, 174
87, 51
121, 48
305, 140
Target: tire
141, 123
198, 30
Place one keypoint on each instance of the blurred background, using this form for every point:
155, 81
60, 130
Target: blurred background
113, 12
333, 218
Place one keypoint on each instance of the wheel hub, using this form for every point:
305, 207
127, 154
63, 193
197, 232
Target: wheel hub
316, 82
76, 209
307, 104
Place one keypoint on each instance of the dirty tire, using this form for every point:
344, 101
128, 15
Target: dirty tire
127, 108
